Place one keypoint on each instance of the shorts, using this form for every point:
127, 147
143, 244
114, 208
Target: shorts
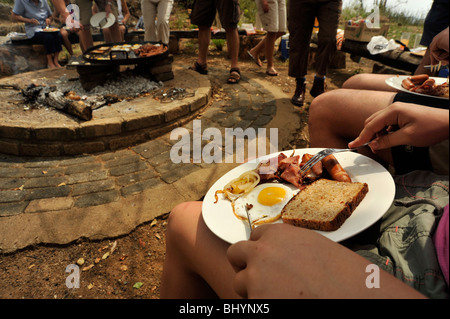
86, 9
275, 19
435, 21
408, 158
204, 12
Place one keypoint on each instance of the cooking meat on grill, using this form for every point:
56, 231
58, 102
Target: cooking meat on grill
147, 50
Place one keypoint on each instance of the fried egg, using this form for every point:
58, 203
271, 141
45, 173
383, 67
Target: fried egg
266, 202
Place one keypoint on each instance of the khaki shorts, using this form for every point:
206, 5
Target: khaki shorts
401, 242
275, 19
86, 9
204, 12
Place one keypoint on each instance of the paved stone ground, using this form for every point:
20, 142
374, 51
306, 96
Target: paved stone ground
61, 199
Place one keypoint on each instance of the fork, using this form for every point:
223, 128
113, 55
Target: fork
324, 153
436, 67
250, 222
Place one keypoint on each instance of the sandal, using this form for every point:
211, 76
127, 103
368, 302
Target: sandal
235, 76
257, 61
200, 68
272, 73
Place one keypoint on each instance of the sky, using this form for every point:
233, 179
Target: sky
417, 8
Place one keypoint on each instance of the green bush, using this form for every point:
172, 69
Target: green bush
248, 11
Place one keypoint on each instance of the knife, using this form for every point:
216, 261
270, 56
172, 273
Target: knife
103, 22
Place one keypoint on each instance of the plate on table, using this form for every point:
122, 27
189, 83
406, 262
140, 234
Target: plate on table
220, 219
50, 30
100, 20
396, 83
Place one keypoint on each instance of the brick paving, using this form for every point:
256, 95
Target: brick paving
38, 190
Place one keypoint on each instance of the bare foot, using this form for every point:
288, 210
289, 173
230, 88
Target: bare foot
255, 58
271, 71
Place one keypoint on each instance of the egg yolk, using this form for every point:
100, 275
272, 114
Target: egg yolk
270, 196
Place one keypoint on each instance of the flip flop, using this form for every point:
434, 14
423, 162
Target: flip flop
272, 73
254, 59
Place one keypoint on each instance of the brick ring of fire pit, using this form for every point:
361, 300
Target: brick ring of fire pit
49, 132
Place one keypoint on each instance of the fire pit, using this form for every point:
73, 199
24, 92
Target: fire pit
102, 61
123, 120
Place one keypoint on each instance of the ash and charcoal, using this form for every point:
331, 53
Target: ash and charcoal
124, 86
69, 96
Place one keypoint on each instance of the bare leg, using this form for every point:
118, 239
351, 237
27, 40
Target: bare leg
233, 45
425, 61
196, 264
270, 47
258, 49
337, 117
113, 34
204, 38
56, 59
50, 62
85, 36
66, 41
367, 81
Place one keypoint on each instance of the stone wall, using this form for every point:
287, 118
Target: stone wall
15, 58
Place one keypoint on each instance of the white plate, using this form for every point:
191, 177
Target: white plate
50, 30
100, 17
396, 83
223, 223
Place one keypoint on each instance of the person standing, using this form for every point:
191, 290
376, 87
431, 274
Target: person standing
273, 17
123, 17
436, 20
303, 13
123, 14
203, 15
83, 16
159, 10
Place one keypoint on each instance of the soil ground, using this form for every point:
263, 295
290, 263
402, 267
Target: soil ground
128, 267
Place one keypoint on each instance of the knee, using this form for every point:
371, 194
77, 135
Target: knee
230, 29
322, 111
161, 23
356, 81
182, 219
320, 105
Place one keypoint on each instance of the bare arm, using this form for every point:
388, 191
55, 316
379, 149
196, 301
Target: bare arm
439, 48
19, 18
125, 12
60, 7
283, 261
418, 125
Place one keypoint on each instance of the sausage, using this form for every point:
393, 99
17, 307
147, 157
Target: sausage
426, 87
336, 171
316, 169
407, 84
428, 83
418, 79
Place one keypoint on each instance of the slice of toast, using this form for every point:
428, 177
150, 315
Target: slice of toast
324, 204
